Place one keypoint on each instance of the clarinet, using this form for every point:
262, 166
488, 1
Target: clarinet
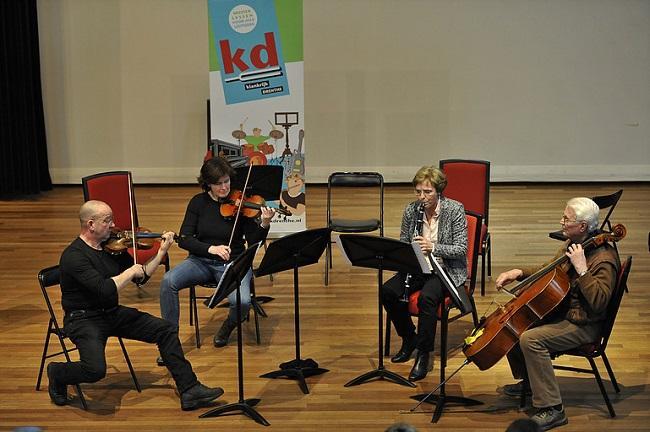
417, 230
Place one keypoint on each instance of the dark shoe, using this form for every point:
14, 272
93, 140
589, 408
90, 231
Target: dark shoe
221, 338
160, 361
421, 366
199, 396
548, 418
58, 392
514, 390
405, 352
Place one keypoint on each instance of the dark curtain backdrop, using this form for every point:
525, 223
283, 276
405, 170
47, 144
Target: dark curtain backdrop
23, 149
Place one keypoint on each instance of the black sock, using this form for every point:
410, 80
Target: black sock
557, 407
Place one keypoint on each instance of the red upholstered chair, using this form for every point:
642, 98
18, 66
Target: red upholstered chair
469, 183
597, 348
113, 188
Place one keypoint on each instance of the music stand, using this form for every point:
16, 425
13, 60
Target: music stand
291, 252
230, 281
381, 253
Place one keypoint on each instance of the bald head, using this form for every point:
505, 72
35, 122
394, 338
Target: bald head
93, 210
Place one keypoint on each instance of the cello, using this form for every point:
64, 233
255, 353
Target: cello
535, 297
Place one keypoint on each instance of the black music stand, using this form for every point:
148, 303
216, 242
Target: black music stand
383, 254
230, 281
291, 252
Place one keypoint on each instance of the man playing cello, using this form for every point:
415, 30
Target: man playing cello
575, 322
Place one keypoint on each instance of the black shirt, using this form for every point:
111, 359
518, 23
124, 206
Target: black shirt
203, 226
86, 277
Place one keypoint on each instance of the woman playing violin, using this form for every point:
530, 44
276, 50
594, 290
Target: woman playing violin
575, 322
205, 233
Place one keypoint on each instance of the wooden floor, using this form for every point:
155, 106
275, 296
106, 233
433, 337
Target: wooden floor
339, 327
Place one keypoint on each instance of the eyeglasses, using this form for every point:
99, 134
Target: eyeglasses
426, 192
565, 220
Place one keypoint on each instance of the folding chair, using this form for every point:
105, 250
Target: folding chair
48, 278
468, 181
113, 188
597, 348
341, 225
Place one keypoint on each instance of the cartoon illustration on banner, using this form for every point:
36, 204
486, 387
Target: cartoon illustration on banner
256, 93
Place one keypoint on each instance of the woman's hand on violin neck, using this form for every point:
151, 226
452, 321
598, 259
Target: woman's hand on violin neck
167, 241
267, 215
222, 251
506, 277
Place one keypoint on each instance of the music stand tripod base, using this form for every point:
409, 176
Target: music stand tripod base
297, 369
380, 373
245, 407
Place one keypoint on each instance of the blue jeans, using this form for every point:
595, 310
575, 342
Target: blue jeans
195, 271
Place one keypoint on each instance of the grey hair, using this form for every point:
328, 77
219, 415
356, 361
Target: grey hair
586, 210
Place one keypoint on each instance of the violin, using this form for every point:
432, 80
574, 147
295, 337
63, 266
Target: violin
121, 240
250, 205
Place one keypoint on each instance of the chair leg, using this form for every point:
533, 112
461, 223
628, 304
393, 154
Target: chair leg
128, 362
197, 332
45, 346
602, 387
483, 273
611, 373
489, 254
84, 404
474, 313
257, 324
328, 262
192, 301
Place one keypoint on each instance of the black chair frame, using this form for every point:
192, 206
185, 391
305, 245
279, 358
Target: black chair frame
47, 278
352, 179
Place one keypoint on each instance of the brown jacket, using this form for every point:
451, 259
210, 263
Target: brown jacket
589, 295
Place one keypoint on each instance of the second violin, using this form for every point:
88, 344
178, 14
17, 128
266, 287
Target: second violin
250, 207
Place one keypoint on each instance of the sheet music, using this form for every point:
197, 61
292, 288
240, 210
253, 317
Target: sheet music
425, 264
340, 245
219, 288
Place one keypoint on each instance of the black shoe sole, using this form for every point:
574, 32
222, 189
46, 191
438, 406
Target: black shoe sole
198, 403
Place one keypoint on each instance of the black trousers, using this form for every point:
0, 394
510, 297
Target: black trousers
430, 298
90, 330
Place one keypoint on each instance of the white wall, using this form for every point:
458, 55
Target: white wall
546, 90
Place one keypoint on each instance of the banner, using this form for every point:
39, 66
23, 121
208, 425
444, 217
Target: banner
256, 93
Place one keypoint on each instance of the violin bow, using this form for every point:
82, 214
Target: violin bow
132, 213
241, 202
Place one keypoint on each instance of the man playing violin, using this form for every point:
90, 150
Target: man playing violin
575, 322
90, 281
443, 234
209, 238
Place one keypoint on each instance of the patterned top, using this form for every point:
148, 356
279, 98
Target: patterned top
452, 236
